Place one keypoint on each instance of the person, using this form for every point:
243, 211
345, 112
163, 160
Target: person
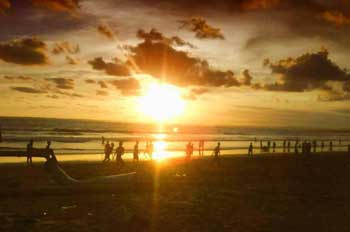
261, 145
136, 152
189, 150
48, 145
103, 140
107, 152
201, 148
217, 151
119, 153
250, 149
314, 144
322, 145
331, 146
288, 146
268, 146
274, 146
110, 151
29, 152
150, 149
284, 145
296, 150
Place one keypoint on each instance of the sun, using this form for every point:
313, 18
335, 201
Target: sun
161, 102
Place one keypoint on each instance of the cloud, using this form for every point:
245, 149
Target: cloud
201, 28
69, 6
195, 93
260, 4
333, 96
106, 31
71, 60
62, 83
102, 84
128, 87
28, 51
66, 48
28, 90
155, 36
336, 17
68, 94
4, 5
177, 67
118, 68
307, 72
247, 78
20, 78
89, 81
101, 93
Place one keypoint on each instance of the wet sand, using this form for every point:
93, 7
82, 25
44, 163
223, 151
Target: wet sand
263, 193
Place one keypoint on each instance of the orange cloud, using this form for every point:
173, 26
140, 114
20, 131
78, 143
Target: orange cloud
106, 30
259, 4
4, 5
69, 6
336, 17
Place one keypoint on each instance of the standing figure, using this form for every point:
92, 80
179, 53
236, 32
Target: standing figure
217, 151
201, 147
288, 146
250, 149
103, 140
136, 152
119, 153
30, 146
322, 145
284, 145
274, 146
331, 146
107, 152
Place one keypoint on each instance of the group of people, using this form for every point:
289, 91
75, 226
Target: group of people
46, 152
119, 152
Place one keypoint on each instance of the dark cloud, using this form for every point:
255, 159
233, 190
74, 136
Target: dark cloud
65, 47
195, 93
128, 87
69, 6
89, 81
102, 84
62, 83
4, 6
71, 60
106, 31
28, 90
155, 36
307, 72
178, 67
118, 68
20, 78
247, 78
101, 93
68, 94
28, 51
201, 28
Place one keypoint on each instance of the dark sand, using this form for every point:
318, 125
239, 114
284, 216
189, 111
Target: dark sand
265, 193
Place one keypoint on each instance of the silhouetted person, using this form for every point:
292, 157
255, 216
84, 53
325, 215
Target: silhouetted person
250, 149
268, 146
217, 151
188, 151
29, 152
201, 148
274, 146
0, 135
288, 146
261, 145
322, 145
136, 152
120, 152
330, 146
284, 145
107, 150
150, 149
296, 149
48, 145
103, 140
314, 144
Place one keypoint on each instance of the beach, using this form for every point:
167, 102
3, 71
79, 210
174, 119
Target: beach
261, 193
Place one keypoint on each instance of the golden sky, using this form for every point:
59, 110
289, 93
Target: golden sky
242, 62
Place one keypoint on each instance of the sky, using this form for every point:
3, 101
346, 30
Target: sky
240, 62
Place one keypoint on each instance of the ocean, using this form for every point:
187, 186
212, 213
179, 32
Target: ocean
82, 139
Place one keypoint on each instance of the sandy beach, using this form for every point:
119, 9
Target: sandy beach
262, 193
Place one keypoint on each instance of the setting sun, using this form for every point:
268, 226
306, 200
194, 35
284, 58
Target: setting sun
162, 102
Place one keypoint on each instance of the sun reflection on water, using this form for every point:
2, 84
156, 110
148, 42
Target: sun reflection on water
160, 148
